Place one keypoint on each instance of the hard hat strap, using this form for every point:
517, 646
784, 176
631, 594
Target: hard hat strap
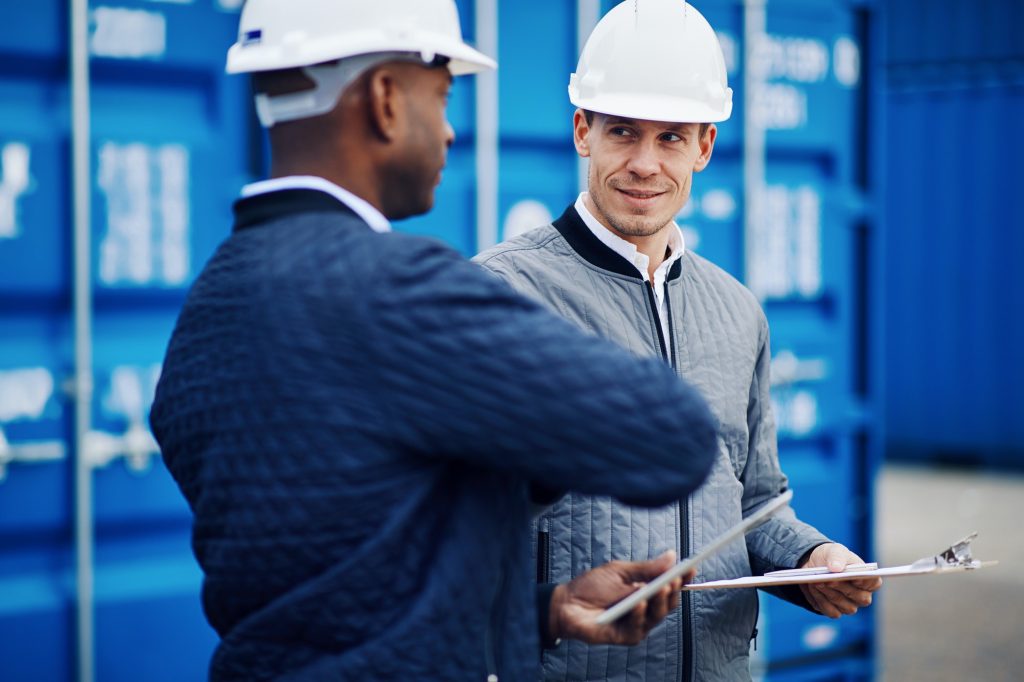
330, 81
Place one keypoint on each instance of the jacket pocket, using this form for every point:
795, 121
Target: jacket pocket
543, 556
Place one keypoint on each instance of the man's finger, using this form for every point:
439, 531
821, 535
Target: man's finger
853, 593
673, 600
844, 587
630, 629
645, 571
820, 603
838, 600
868, 584
833, 592
659, 606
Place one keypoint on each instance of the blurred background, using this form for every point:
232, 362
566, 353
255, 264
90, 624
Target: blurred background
868, 189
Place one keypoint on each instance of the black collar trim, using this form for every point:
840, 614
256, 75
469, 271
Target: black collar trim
571, 226
263, 208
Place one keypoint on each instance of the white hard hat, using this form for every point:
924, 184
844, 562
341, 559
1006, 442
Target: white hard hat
286, 34
656, 60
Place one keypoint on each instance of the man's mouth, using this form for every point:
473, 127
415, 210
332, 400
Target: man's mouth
640, 199
640, 194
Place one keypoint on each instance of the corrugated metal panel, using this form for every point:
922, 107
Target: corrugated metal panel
809, 253
36, 586
946, 31
954, 234
150, 163
538, 161
170, 142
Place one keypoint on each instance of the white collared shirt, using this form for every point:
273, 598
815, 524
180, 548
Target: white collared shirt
374, 218
640, 261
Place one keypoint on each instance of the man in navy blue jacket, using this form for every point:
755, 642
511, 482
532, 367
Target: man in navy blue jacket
357, 418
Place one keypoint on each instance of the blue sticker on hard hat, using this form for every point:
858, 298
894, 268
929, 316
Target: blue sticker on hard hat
252, 37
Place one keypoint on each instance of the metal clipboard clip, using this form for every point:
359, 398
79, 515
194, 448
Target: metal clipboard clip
957, 556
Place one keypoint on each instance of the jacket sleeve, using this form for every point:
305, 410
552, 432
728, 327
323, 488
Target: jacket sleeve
474, 371
784, 540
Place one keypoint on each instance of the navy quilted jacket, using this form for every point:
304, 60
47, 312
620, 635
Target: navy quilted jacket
355, 418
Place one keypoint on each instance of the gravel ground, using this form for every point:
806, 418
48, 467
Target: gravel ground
966, 626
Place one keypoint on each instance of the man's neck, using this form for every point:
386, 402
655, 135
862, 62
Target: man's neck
357, 175
654, 246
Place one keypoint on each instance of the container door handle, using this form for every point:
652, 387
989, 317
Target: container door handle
29, 452
136, 445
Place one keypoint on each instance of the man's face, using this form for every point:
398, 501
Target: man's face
641, 171
426, 137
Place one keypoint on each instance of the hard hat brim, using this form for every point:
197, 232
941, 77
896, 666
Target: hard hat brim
655, 108
464, 59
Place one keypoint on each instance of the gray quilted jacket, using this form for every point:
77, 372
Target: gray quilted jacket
719, 342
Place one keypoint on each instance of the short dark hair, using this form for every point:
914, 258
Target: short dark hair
589, 115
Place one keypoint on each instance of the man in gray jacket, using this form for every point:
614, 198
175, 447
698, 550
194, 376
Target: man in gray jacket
615, 264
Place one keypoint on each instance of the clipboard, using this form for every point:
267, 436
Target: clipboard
956, 559
748, 524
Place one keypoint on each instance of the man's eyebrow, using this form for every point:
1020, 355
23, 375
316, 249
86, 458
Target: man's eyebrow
679, 128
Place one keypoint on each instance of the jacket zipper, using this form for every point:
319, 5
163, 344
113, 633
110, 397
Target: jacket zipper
490, 658
657, 322
685, 626
757, 614
685, 609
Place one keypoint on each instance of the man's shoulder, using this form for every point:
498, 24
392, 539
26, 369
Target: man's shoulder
313, 252
530, 244
359, 249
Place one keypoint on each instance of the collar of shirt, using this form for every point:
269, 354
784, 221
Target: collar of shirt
374, 218
627, 250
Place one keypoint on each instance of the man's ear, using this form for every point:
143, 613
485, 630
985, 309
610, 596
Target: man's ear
383, 92
707, 145
580, 130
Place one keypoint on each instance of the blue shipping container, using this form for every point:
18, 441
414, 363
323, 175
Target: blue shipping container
954, 217
173, 140
169, 150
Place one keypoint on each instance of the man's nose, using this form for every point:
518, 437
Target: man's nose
449, 133
643, 160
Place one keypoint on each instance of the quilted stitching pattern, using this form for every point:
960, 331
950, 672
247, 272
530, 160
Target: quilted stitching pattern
722, 349
353, 419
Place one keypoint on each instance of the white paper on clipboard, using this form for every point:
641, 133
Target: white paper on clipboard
686, 565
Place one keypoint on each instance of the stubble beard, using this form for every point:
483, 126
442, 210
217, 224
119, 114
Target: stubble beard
411, 182
637, 224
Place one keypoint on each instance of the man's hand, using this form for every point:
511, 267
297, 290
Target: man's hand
838, 598
576, 605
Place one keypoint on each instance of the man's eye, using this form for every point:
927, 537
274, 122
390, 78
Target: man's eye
620, 132
671, 137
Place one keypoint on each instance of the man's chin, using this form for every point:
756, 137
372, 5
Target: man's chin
411, 210
631, 226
